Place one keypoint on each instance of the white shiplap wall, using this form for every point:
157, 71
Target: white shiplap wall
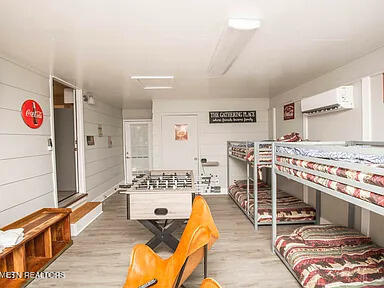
26, 181
104, 166
213, 137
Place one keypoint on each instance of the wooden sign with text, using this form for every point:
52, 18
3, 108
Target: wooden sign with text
221, 117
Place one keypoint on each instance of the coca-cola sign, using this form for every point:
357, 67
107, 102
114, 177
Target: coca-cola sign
32, 114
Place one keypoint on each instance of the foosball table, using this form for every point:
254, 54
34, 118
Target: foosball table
161, 200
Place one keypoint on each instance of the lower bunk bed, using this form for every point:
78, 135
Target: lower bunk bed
331, 256
291, 210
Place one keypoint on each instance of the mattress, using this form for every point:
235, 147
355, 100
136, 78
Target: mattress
364, 195
333, 155
359, 176
332, 256
289, 208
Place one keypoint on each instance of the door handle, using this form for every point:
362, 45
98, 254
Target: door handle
195, 158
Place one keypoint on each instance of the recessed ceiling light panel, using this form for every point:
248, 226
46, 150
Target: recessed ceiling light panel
154, 82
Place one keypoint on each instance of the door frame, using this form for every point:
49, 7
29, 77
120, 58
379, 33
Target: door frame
197, 137
137, 121
79, 114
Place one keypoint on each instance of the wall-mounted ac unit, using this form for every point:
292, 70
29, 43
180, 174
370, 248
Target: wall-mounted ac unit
330, 101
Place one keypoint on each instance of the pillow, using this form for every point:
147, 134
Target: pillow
330, 236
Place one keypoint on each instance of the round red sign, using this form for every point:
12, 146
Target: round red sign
32, 114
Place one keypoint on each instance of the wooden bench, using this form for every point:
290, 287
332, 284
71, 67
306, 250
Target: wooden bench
85, 215
46, 235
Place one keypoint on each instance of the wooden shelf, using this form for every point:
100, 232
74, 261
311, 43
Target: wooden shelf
46, 235
11, 283
36, 263
59, 247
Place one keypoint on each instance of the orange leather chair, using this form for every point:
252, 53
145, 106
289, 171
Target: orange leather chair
147, 269
209, 283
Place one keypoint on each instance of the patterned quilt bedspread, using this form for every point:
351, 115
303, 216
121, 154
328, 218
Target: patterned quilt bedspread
289, 208
332, 256
334, 155
359, 176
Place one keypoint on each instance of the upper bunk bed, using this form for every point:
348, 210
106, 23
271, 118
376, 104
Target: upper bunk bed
256, 156
332, 255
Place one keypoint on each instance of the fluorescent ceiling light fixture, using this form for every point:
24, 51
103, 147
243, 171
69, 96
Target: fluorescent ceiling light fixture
154, 82
150, 77
233, 40
244, 24
157, 87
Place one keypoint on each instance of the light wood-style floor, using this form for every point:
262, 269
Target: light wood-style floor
100, 255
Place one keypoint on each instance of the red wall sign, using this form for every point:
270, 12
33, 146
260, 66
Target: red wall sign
289, 111
32, 114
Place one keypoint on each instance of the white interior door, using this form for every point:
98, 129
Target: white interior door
180, 142
137, 148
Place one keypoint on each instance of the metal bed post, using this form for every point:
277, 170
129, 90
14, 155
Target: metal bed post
228, 148
248, 164
318, 207
255, 185
351, 215
274, 202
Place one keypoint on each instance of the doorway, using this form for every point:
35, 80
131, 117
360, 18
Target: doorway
66, 156
137, 148
180, 143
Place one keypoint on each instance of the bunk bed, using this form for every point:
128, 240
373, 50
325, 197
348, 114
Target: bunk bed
332, 255
256, 156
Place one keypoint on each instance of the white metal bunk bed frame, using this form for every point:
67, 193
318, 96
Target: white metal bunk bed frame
256, 163
352, 201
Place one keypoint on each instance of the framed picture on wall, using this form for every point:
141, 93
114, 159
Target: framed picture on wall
90, 140
289, 111
181, 132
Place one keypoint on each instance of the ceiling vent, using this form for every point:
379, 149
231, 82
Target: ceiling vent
334, 100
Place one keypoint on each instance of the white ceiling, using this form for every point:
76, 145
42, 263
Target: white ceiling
100, 44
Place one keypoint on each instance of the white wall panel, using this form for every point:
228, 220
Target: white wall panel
102, 154
24, 191
137, 114
99, 166
11, 122
15, 146
99, 178
12, 170
13, 98
377, 117
99, 118
17, 76
104, 166
102, 142
25, 162
108, 184
284, 127
25, 208
92, 130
